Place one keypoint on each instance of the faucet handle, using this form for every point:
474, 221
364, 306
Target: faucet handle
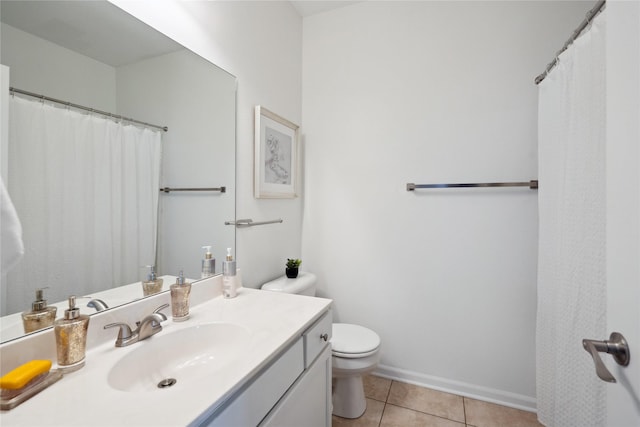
125, 330
159, 309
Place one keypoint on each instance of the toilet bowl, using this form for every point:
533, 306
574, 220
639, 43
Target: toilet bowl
354, 351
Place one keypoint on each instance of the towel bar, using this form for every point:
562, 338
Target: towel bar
533, 185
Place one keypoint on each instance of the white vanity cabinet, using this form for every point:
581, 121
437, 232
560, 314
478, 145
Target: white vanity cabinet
293, 390
308, 401
280, 375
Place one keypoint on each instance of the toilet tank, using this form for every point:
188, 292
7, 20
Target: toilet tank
304, 284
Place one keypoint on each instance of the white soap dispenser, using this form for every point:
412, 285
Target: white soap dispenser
208, 263
229, 288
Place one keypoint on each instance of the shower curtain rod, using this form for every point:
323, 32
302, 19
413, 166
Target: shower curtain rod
584, 24
82, 107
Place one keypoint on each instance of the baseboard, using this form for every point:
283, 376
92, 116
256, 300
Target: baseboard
500, 397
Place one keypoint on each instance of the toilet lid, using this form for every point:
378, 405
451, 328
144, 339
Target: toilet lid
352, 340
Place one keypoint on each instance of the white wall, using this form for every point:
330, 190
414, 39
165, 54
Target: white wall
261, 44
623, 203
69, 76
430, 92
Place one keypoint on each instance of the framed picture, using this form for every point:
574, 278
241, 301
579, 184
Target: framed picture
276, 156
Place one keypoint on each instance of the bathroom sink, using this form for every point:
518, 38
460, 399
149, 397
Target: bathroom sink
179, 357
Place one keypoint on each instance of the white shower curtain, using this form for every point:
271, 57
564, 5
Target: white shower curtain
571, 258
86, 191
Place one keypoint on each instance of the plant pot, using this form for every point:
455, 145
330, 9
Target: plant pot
292, 273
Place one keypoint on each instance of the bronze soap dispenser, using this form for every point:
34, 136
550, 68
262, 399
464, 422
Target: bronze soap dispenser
71, 337
40, 316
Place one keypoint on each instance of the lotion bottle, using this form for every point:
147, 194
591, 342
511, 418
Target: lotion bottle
208, 263
40, 316
152, 285
229, 289
71, 337
180, 292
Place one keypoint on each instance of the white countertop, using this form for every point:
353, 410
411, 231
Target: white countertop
85, 397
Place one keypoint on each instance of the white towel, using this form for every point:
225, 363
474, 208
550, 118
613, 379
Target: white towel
10, 232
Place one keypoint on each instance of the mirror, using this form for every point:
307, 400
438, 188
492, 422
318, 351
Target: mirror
96, 55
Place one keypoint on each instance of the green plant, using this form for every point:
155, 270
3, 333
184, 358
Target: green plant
293, 263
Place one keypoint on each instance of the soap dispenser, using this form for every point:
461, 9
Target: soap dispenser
40, 316
180, 299
152, 285
208, 263
71, 337
229, 288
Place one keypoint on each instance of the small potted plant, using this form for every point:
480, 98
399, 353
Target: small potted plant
292, 268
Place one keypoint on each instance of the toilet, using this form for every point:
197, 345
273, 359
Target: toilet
354, 351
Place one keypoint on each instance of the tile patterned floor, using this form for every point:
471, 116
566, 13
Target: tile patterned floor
395, 404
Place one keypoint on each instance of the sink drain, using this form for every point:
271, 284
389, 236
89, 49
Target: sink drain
168, 382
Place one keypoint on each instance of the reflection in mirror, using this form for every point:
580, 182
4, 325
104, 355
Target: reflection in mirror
94, 54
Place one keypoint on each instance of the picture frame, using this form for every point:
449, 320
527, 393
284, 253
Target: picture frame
276, 156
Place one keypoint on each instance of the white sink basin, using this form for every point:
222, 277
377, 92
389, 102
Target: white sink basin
184, 356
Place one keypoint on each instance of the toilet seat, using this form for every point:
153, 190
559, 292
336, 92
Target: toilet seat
353, 355
353, 341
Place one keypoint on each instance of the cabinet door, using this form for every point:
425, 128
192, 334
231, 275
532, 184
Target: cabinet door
308, 402
256, 400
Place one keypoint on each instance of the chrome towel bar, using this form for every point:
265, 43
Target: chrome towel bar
168, 189
249, 222
533, 185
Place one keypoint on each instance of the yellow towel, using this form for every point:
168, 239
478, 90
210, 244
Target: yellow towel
21, 375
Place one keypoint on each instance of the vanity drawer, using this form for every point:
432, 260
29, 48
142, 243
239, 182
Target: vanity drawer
316, 338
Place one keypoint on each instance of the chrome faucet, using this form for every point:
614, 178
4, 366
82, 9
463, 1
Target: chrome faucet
147, 327
98, 304
150, 325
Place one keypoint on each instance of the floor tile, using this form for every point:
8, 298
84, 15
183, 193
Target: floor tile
376, 387
484, 414
432, 402
395, 416
370, 418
